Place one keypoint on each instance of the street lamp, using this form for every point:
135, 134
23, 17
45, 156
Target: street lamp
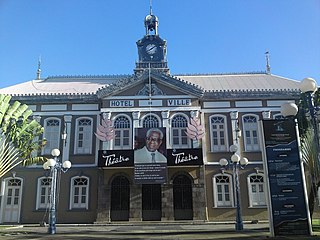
236, 162
54, 165
307, 86
289, 109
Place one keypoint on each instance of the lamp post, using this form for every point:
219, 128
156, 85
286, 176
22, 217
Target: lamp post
54, 165
236, 162
307, 86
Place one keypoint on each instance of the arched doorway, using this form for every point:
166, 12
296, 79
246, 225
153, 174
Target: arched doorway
151, 202
120, 199
182, 198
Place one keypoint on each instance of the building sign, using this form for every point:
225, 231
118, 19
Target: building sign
179, 102
150, 156
288, 204
115, 158
184, 157
121, 103
150, 103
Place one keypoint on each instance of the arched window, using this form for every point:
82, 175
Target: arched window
256, 190
51, 134
251, 136
79, 192
179, 137
43, 192
83, 141
122, 127
218, 133
222, 190
151, 121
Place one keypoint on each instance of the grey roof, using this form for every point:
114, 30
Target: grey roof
209, 83
241, 82
72, 85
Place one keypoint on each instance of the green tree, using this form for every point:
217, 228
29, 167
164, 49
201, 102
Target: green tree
308, 130
18, 143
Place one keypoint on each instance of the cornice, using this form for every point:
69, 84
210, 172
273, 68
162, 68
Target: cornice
252, 94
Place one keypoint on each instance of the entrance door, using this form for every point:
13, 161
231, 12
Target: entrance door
120, 199
182, 198
151, 202
12, 201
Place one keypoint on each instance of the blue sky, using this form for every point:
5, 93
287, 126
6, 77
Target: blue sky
98, 37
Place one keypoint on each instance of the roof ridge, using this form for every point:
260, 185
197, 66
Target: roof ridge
90, 76
232, 73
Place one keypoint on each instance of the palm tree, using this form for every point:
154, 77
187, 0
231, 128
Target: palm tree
18, 142
310, 158
310, 147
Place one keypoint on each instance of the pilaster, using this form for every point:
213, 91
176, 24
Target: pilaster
67, 141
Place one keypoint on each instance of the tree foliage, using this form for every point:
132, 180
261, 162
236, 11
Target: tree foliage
309, 135
19, 131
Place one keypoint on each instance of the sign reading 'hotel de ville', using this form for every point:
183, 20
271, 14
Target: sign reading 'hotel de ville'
288, 202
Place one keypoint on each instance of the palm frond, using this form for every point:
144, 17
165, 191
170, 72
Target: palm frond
9, 156
309, 151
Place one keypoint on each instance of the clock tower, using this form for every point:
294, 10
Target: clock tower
152, 49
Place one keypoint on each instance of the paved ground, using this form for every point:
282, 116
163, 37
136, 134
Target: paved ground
195, 231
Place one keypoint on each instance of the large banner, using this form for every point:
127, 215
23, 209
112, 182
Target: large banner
287, 187
115, 158
150, 156
184, 157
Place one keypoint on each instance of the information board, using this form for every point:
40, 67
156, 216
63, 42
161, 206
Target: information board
286, 183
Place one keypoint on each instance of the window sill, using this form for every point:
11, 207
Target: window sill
256, 151
259, 207
222, 151
222, 207
78, 210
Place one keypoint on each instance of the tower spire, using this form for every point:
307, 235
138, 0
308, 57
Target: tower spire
150, 7
39, 69
151, 22
268, 68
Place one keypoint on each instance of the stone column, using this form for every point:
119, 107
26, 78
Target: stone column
235, 129
136, 118
103, 203
136, 124
165, 124
199, 196
135, 213
167, 202
67, 141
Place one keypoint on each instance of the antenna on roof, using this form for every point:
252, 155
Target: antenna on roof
268, 68
39, 68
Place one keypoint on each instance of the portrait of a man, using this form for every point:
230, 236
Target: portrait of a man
150, 152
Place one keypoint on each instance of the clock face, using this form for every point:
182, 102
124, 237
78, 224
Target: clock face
151, 48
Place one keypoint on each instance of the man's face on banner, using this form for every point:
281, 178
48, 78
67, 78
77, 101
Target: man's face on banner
153, 141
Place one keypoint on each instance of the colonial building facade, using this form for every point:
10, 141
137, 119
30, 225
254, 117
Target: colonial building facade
107, 118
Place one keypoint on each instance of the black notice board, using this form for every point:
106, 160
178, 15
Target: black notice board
287, 188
